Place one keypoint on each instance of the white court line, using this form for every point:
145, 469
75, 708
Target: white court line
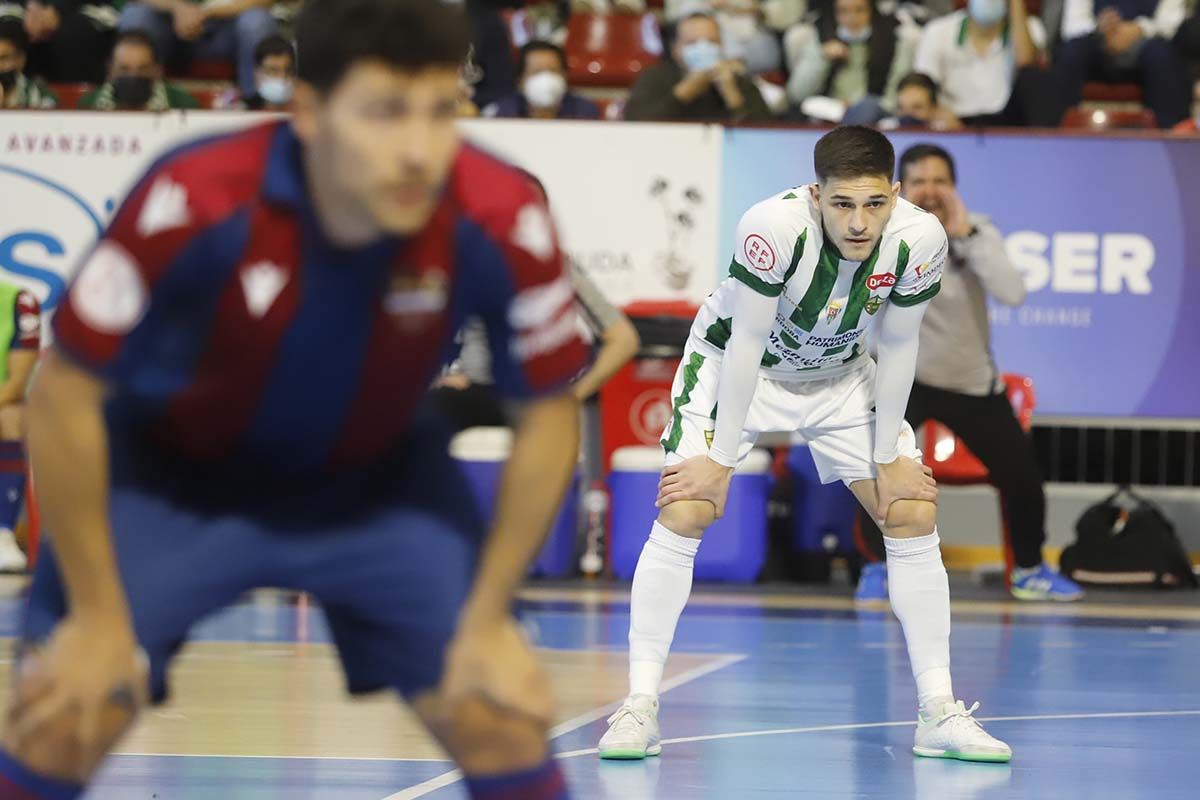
858, 726
575, 723
281, 758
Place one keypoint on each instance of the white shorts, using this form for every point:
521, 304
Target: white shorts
835, 416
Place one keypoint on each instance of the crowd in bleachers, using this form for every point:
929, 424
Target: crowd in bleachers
943, 64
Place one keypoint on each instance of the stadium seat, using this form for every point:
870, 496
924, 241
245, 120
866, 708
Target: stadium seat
610, 49
1108, 119
69, 94
1112, 93
954, 465
200, 70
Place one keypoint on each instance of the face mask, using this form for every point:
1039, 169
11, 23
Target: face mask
8, 79
276, 91
545, 89
701, 55
132, 91
987, 12
853, 37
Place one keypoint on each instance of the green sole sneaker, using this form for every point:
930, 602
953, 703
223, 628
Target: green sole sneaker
984, 758
629, 755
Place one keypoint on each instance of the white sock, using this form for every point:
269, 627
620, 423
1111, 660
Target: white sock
661, 585
920, 595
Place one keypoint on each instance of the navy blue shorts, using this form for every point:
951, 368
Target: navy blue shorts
391, 577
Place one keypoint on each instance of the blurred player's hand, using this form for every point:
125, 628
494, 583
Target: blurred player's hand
903, 479
494, 660
958, 225
189, 21
85, 684
695, 478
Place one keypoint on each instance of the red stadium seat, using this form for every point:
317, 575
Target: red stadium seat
954, 465
1107, 119
200, 70
1112, 93
207, 98
610, 49
70, 93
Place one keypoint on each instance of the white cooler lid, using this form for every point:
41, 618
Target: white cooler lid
650, 459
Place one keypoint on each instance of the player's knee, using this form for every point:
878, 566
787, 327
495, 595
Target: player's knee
909, 518
487, 740
57, 753
689, 518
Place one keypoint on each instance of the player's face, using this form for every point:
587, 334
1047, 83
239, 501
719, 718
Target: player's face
854, 212
133, 59
925, 183
384, 140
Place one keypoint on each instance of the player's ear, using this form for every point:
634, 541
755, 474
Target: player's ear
895, 192
305, 103
814, 189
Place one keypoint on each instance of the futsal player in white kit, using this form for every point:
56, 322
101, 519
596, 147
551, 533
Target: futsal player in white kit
781, 346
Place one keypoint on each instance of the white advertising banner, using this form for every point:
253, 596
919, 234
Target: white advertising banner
636, 205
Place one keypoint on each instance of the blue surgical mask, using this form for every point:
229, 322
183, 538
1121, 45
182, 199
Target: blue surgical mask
701, 55
276, 91
856, 37
987, 12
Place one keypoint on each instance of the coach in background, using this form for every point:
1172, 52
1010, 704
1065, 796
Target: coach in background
959, 385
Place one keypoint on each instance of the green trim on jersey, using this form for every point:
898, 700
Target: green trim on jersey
915, 299
756, 283
902, 258
769, 360
814, 300
859, 293
691, 376
797, 254
719, 332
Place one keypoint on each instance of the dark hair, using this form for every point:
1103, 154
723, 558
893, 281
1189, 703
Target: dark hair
853, 151
921, 81
332, 36
273, 45
138, 36
540, 46
920, 152
15, 35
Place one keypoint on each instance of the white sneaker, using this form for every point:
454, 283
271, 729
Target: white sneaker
633, 730
11, 557
954, 733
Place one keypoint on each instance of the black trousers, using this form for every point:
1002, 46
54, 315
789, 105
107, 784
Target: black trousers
1159, 70
1034, 103
990, 430
77, 52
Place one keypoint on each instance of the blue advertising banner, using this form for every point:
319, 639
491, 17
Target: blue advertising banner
1105, 232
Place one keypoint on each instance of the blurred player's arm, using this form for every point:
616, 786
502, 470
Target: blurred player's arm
619, 340
20, 368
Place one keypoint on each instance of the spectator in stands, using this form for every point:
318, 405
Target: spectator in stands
17, 90
69, 40
856, 57
698, 83
743, 29
135, 80
1191, 124
208, 29
491, 64
987, 60
1121, 40
957, 381
274, 78
918, 106
543, 88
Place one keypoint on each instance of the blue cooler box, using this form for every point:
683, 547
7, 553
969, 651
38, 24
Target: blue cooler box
481, 453
823, 514
734, 548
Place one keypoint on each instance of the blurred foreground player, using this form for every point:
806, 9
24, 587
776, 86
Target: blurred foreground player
234, 400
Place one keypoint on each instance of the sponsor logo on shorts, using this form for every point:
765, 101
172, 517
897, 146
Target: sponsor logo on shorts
875, 282
758, 252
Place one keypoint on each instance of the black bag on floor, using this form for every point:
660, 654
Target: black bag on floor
1127, 541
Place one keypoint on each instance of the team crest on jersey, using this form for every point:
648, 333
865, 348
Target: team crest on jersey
708, 438
832, 312
414, 301
873, 304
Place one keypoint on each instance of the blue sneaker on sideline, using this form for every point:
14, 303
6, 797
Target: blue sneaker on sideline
1043, 583
872, 584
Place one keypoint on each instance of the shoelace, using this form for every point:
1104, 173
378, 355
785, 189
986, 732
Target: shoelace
627, 711
960, 710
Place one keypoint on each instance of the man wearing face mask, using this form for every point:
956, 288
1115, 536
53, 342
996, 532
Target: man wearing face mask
986, 59
856, 56
17, 90
917, 106
543, 88
135, 80
697, 84
274, 78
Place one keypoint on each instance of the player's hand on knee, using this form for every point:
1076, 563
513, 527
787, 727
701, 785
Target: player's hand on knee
903, 479
696, 478
494, 660
84, 686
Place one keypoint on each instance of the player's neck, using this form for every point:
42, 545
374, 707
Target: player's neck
340, 222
